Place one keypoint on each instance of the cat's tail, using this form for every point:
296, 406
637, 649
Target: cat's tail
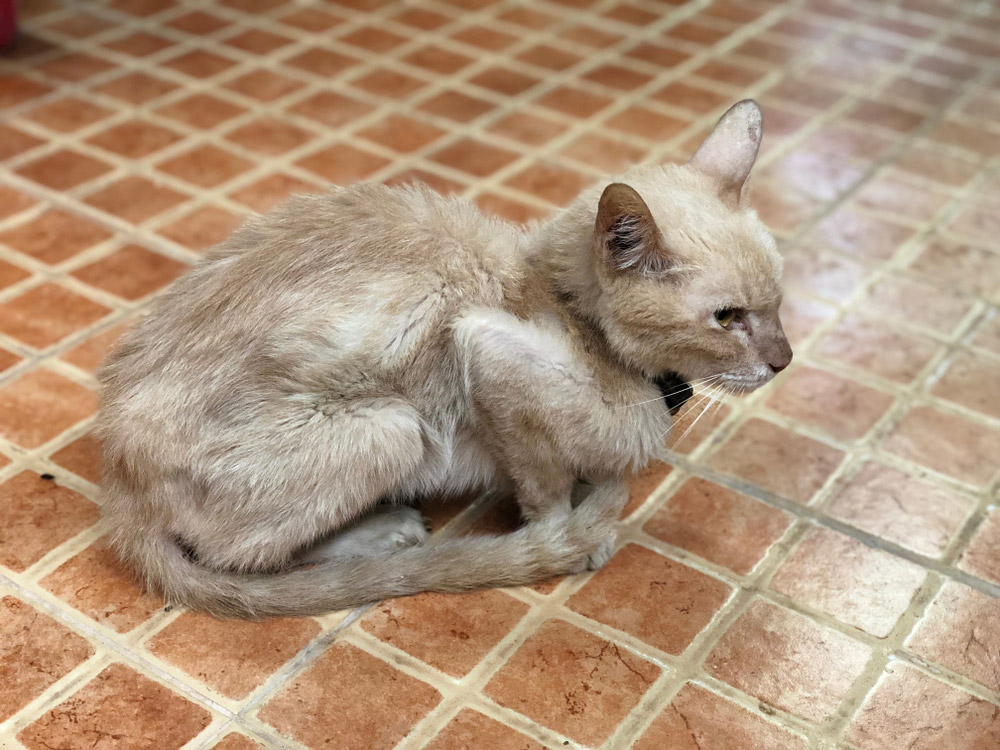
535, 552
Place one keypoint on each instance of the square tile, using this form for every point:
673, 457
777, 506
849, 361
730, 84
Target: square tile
402, 133
205, 166
451, 632
900, 508
868, 588
842, 408
331, 109
758, 446
503, 80
202, 111
457, 106
980, 557
572, 681
54, 236
135, 139
264, 85
343, 164
142, 712
232, 657
38, 515
946, 443
870, 238
131, 272
574, 102
36, 651
969, 381
67, 114
258, 41
349, 698
202, 228
135, 199
14, 142
648, 124
697, 718
651, 597
46, 314
549, 182
139, 44
89, 354
270, 136
959, 266
474, 157
877, 349
958, 631
471, 729
912, 302
268, 192
718, 524
96, 583
321, 62
511, 210
63, 169
136, 88
788, 661
388, 83
608, 154
895, 715
40, 405
15, 90
199, 63
75, 67
527, 128
83, 455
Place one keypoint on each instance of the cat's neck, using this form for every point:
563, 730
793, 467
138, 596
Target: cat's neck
561, 252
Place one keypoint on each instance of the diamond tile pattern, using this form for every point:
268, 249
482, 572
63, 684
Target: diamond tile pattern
816, 565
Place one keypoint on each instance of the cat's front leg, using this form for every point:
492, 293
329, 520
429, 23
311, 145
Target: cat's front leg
546, 416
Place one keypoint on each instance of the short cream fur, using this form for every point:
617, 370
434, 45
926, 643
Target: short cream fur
373, 345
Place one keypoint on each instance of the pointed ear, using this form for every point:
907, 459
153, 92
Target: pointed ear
626, 233
730, 151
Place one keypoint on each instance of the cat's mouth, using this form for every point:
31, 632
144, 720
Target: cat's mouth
741, 384
677, 391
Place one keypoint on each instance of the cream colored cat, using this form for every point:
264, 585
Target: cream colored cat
374, 345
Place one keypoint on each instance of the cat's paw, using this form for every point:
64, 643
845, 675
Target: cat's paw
410, 527
603, 553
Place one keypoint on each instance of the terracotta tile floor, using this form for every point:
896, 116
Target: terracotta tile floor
818, 566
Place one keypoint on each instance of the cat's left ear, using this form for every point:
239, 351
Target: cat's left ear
626, 232
728, 154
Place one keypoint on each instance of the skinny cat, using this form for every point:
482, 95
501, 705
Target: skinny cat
378, 344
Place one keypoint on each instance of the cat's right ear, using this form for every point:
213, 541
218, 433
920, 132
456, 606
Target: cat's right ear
728, 154
626, 233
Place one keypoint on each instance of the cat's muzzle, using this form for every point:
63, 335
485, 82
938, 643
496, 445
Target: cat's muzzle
675, 390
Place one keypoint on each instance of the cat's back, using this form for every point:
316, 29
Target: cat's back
366, 276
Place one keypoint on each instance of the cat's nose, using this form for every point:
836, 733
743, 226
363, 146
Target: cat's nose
782, 361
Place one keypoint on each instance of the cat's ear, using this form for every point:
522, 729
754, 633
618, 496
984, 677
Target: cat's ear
626, 233
729, 152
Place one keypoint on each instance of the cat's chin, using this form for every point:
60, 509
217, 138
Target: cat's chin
739, 385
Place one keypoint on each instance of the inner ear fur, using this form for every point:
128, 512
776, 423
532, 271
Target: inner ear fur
626, 232
729, 152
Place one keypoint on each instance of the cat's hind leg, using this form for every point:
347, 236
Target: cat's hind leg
387, 529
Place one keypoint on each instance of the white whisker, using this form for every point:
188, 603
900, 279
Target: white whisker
713, 398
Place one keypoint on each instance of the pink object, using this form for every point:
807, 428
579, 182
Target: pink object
8, 22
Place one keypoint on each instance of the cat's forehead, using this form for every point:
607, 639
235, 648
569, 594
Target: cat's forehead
732, 246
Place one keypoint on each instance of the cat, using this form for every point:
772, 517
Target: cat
266, 424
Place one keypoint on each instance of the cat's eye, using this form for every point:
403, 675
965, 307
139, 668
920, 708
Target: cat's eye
725, 316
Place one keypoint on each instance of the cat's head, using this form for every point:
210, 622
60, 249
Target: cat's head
689, 277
